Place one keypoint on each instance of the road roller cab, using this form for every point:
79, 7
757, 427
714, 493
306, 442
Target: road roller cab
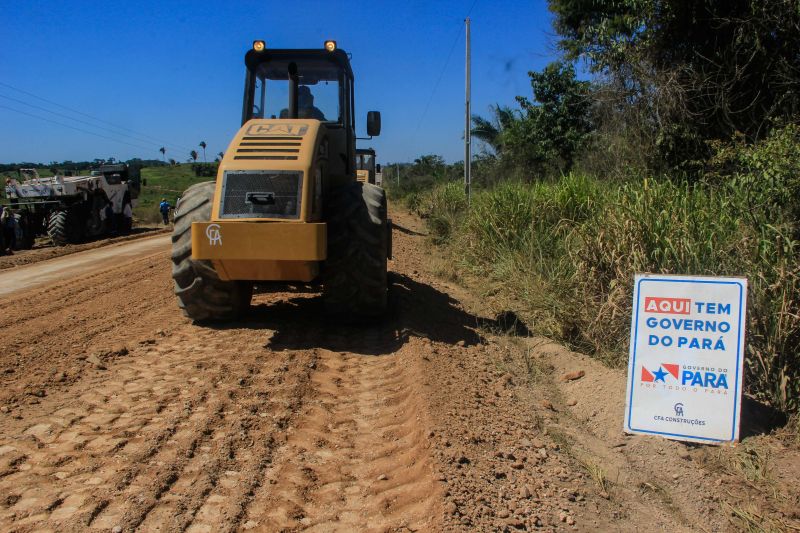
365, 165
286, 204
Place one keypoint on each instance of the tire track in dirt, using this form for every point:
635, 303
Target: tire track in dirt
157, 466
105, 443
186, 428
357, 457
284, 421
80, 290
48, 333
244, 446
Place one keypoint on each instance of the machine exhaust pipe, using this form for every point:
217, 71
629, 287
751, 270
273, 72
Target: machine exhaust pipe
293, 83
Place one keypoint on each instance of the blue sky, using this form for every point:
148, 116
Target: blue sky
173, 71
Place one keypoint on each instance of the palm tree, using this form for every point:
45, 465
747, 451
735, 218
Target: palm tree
163, 152
203, 146
221, 155
193, 155
490, 131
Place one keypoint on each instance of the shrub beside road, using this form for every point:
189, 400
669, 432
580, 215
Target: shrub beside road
563, 252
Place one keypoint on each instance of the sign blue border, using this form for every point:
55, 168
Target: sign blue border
738, 356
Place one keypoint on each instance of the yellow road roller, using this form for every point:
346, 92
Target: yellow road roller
286, 205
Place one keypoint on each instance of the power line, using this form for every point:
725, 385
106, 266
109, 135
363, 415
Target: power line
72, 110
74, 128
442, 70
436, 85
471, 8
78, 120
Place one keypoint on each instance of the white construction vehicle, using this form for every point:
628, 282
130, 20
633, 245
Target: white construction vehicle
73, 209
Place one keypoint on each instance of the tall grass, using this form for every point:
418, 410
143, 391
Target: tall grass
441, 207
566, 253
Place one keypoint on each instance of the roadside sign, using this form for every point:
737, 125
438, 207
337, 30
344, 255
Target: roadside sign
686, 357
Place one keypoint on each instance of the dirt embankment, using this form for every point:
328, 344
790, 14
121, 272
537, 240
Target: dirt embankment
119, 414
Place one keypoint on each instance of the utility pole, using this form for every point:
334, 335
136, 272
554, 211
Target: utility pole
467, 120
397, 171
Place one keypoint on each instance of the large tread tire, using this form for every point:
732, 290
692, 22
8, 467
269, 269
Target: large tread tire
202, 296
354, 276
63, 227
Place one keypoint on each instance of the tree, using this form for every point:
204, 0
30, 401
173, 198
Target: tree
490, 131
193, 155
429, 165
203, 146
221, 155
163, 152
172, 162
555, 125
694, 70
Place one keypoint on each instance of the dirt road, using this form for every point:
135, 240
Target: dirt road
120, 415
44, 249
54, 271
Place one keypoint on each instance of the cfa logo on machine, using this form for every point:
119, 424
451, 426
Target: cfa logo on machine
214, 235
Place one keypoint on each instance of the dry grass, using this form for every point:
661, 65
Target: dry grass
444, 268
753, 462
749, 518
664, 496
598, 475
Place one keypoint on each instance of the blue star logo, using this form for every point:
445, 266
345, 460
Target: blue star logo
660, 375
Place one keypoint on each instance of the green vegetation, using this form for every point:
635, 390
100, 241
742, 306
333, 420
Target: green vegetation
550, 133
681, 155
164, 182
563, 252
673, 75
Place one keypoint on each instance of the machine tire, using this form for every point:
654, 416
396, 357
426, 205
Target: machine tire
63, 227
28, 235
202, 296
354, 276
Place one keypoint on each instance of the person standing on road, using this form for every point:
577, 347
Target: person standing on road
164, 207
9, 224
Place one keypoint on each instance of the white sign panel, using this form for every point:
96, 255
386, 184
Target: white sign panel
686, 359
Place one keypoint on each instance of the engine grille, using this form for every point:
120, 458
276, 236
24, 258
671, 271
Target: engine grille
261, 194
284, 148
